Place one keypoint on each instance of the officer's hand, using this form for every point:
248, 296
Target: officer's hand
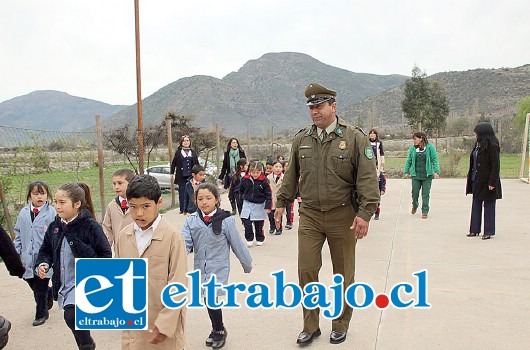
156, 336
360, 227
278, 216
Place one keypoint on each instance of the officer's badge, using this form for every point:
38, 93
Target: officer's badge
339, 132
369, 153
342, 144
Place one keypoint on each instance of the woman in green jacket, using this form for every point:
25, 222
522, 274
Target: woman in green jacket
422, 166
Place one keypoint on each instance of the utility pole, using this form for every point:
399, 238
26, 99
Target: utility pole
139, 89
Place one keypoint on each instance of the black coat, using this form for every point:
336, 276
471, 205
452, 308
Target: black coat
85, 237
256, 191
488, 169
176, 164
9, 255
225, 170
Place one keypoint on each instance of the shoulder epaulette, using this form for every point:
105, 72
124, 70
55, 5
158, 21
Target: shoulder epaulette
361, 130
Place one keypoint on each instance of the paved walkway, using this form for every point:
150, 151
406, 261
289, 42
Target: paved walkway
479, 290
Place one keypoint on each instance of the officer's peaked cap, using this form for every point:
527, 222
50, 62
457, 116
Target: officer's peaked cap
317, 94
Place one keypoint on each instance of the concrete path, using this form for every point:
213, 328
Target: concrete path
479, 290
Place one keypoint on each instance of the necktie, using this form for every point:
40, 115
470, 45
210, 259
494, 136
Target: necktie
124, 204
207, 218
323, 135
35, 211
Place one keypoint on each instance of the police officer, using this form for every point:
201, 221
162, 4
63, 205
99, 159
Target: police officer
333, 165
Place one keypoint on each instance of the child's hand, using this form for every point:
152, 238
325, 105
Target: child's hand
267, 211
156, 336
382, 193
42, 270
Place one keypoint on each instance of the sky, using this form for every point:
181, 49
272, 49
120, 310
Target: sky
87, 48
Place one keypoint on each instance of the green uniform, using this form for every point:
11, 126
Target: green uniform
326, 172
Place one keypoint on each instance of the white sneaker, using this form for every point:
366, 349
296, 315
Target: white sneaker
259, 243
250, 243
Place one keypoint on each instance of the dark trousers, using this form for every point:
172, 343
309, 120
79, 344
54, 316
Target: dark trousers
272, 222
489, 216
216, 317
290, 214
182, 192
258, 227
41, 292
82, 338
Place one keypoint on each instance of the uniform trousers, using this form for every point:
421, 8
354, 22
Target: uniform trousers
82, 337
315, 227
425, 186
42, 294
489, 216
182, 192
258, 227
289, 210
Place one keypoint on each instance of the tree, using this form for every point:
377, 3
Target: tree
523, 108
425, 103
180, 126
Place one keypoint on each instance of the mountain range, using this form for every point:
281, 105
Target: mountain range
268, 92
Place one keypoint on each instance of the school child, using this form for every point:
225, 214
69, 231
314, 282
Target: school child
152, 237
275, 180
73, 234
382, 189
234, 193
268, 166
289, 209
257, 202
210, 232
117, 215
198, 174
32, 223
12, 261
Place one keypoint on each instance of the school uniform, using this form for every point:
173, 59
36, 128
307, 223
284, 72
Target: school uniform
164, 248
189, 199
257, 197
181, 165
275, 183
63, 242
117, 216
30, 229
234, 193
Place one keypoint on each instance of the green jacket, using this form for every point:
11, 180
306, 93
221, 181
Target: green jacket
327, 172
432, 165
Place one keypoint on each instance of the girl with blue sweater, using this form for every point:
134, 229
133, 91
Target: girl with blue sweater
32, 223
210, 233
73, 234
422, 166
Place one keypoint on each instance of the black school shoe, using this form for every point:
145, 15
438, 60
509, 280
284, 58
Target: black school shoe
209, 340
271, 231
219, 339
278, 232
40, 321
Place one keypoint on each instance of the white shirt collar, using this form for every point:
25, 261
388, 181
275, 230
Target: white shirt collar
144, 237
211, 214
152, 227
67, 222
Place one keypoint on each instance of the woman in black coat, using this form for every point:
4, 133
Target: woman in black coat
233, 154
185, 158
483, 180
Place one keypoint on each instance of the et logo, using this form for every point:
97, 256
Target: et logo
111, 294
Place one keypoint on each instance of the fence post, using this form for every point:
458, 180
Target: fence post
526, 142
218, 148
170, 152
99, 133
6, 212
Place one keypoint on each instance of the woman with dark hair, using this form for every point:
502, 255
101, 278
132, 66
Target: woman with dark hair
483, 180
422, 166
233, 154
185, 158
377, 147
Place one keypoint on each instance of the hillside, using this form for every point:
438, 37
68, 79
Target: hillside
53, 110
264, 92
493, 92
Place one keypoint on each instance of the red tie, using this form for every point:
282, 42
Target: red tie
207, 218
124, 204
35, 211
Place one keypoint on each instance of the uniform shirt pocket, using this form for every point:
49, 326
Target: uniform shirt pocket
342, 164
305, 158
